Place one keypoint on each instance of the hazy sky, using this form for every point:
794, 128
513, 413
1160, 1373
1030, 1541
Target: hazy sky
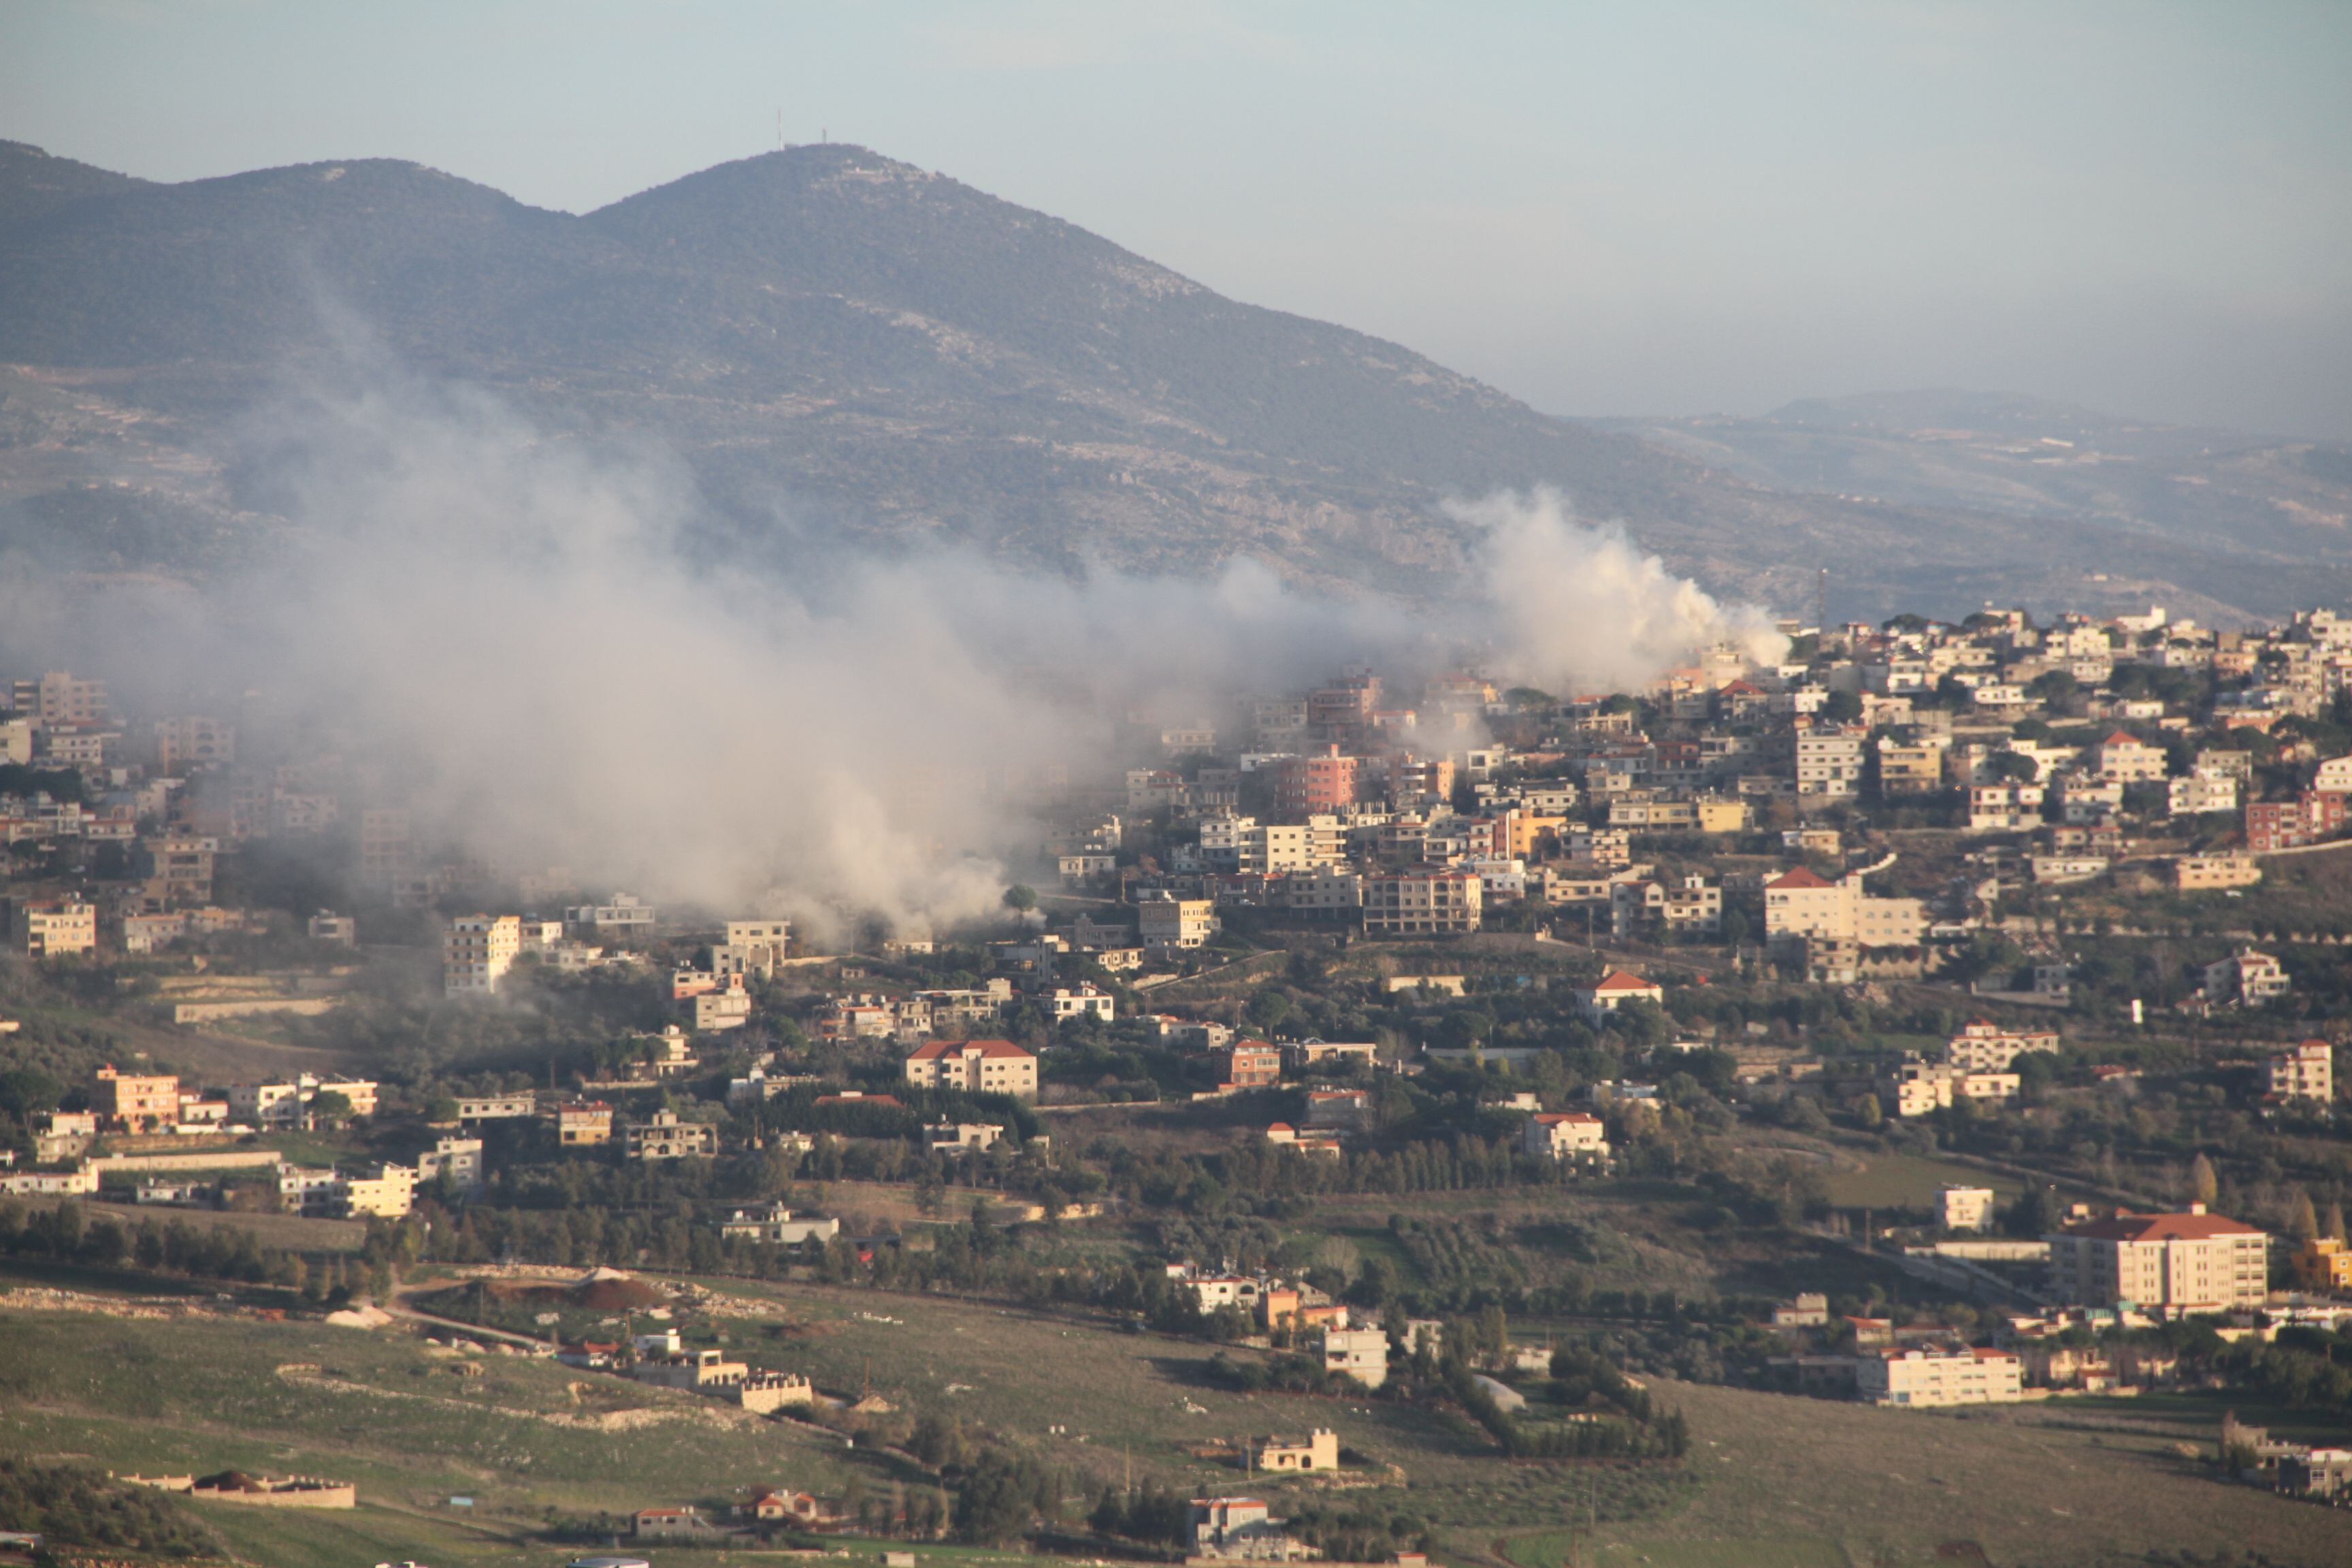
1602, 208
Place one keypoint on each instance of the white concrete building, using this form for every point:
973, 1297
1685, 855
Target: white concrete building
2308, 1072
1362, 1353
1933, 1379
476, 951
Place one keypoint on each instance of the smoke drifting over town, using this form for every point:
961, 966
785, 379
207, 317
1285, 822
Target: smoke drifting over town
543, 664
1577, 607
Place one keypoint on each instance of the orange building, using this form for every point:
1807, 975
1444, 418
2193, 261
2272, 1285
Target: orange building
137, 1102
1318, 785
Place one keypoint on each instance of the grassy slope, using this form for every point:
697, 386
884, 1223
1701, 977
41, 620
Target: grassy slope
1774, 1481
1770, 1469
203, 1395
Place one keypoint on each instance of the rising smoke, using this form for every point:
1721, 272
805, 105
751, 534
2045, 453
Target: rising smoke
1577, 607
515, 628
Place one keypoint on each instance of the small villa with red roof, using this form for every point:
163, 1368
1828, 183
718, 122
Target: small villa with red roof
1617, 988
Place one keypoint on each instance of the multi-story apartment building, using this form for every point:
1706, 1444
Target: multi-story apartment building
180, 869
52, 928
57, 697
2176, 1263
2127, 759
2306, 1072
460, 1159
1802, 903
192, 741
1910, 767
1829, 764
1965, 1208
2005, 807
1983, 1046
664, 1137
1322, 783
727, 1006
1931, 1379
2193, 794
1362, 1353
1689, 905
1422, 903
476, 951
1166, 925
753, 947
1249, 847
2248, 978
387, 846
2272, 825
975, 1067
1565, 1135
583, 1124
385, 1190
282, 1103
1918, 1088
1247, 1064
136, 1102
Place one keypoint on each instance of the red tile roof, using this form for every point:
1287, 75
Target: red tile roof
2121, 738
938, 1048
1800, 877
1619, 980
2160, 1227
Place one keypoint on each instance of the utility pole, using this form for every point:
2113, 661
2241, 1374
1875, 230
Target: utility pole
1821, 603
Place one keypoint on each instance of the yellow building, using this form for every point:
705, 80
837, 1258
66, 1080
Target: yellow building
1910, 769
2323, 1264
385, 1190
2193, 873
1318, 1451
54, 929
1723, 814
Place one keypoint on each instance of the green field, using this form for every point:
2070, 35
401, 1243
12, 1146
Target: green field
198, 1395
1910, 1181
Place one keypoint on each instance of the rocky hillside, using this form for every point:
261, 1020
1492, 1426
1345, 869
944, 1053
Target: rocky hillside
877, 352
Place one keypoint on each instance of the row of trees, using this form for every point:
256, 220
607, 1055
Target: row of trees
225, 1253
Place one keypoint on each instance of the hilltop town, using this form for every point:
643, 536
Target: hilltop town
1941, 1018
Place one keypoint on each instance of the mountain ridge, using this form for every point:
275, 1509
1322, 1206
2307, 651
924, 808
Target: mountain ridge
908, 359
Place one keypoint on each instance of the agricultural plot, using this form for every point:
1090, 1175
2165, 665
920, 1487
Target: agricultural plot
408, 1426
1769, 1480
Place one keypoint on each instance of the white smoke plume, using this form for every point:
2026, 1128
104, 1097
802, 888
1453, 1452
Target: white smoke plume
1577, 607
512, 628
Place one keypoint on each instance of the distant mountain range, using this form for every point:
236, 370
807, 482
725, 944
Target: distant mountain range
889, 356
